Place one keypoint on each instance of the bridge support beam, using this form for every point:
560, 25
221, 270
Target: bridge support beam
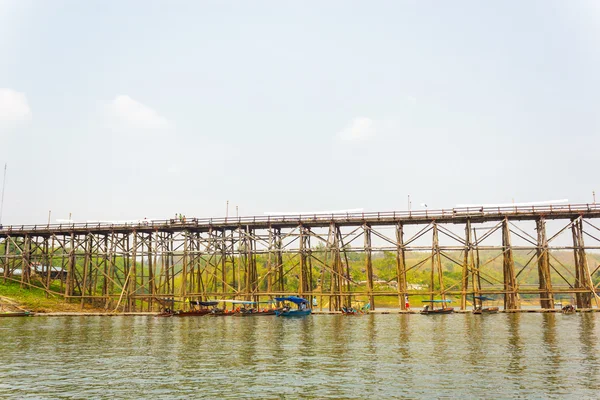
401, 267
369, 264
511, 297
582, 273
465, 268
543, 259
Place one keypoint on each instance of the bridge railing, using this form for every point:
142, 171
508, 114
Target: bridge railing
460, 212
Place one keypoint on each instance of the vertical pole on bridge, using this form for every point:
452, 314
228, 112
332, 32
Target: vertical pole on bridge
70, 269
86, 267
511, 297
151, 266
468, 253
184, 270
133, 279
369, 264
26, 264
302, 274
543, 259
436, 265
582, 275
401, 266
5, 266
278, 246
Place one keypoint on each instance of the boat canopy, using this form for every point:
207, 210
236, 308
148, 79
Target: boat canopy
204, 303
483, 298
246, 302
293, 299
437, 301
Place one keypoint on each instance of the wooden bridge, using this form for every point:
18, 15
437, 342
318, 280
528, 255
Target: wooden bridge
463, 252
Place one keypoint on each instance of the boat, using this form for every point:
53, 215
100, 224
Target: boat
253, 312
199, 308
429, 309
350, 311
480, 309
252, 308
287, 310
568, 309
16, 314
356, 311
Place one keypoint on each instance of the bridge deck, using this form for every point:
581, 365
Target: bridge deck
449, 216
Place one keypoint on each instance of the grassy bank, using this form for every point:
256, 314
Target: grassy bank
34, 299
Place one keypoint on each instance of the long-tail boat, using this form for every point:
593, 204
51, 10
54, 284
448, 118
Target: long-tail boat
199, 308
429, 309
16, 314
302, 304
480, 309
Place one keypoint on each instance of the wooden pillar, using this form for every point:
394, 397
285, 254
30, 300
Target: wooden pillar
5, 266
50, 259
543, 258
184, 269
401, 266
302, 273
436, 266
133, 278
279, 247
465, 271
344, 268
70, 269
86, 268
151, 273
582, 274
511, 296
223, 261
25, 264
369, 264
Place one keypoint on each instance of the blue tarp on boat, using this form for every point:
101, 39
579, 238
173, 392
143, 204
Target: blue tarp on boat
483, 298
293, 299
437, 301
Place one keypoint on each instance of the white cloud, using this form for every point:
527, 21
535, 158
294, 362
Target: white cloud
361, 128
13, 106
136, 114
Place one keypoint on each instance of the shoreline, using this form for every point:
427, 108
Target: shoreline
376, 312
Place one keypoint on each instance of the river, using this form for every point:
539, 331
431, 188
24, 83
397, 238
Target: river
321, 356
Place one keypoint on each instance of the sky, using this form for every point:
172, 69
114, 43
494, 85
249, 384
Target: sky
117, 110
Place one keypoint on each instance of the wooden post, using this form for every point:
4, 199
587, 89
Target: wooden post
184, 269
26, 264
543, 258
6, 267
511, 296
86, 262
70, 268
401, 267
369, 264
436, 266
582, 276
465, 269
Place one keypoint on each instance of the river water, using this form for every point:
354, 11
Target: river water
321, 356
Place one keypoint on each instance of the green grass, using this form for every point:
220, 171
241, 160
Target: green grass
34, 299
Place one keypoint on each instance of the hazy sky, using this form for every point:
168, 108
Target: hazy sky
130, 109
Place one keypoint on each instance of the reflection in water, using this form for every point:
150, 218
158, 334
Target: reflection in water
371, 356
475, 338
515, 346
552, 359
587, 339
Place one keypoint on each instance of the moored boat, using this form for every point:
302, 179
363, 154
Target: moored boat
287, 311
480, 309
16, 314
430, 309
568, 309
199, 308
